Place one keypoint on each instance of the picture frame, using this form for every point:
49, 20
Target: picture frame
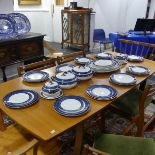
29, 2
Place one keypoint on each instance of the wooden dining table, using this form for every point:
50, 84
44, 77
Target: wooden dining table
45, 123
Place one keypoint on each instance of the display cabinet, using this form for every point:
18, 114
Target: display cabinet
76, 27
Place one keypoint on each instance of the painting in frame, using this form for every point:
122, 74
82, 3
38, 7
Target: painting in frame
29, 2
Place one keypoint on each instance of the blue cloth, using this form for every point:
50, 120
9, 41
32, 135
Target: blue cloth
141, 38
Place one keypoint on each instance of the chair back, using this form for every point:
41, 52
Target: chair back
131, 47
36, 66
148, 94
99, 35
69, 57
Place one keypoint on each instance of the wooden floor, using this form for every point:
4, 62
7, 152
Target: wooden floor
10, 139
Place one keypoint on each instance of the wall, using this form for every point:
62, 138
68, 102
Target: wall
8, 6
115, 15
111, 15
152, 9
39, 16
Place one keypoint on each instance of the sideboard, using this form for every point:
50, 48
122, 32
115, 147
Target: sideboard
26, 48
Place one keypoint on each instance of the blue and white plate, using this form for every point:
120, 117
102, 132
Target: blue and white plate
22, 22
83, 60
35, 76
135, 58
102, 92
138, 70
72, 106
21, 98
8, 28
64, 68
123, 79
104, 55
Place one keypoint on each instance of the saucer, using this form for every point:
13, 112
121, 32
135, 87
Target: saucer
51, 97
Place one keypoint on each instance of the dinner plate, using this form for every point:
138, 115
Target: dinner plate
64, 68
135, 58
138, 70
103, 63
71, 106
51, 97
101, 92
103, 55
83, 60
35, 76
22, 22
21, 98
123, 79
8, 28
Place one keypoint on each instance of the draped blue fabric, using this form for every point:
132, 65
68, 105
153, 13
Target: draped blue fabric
140, 38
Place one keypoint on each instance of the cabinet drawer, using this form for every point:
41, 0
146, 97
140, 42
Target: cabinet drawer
30, 50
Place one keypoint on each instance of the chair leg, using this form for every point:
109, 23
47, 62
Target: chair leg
35, 149
100, 47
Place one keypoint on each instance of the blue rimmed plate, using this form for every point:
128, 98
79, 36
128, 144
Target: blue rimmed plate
64, 68
123, 79
135, 58
72, 106
22, 22
104, 55
35, 76
21, 98
8, 28
138, 70
83, 60
102, 92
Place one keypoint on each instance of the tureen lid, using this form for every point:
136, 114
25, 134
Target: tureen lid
51, 85
65, 76
82, 69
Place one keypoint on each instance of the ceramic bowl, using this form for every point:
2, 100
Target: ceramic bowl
83, 72
51, 89
66, 80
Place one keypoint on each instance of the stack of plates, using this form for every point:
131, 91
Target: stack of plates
104, 56
64, 68
8, 28
35, 76
72, 106
123, 79
101, 92
105, 66
83, 60
135, 58
22, 22
21, 99
13, 25
138, 70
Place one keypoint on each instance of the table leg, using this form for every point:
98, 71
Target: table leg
2, 126
4, 75
78, 139
142, 85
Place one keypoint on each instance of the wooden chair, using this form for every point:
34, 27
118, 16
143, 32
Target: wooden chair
133, 104
36, 66
16, 141
120, 145
131, 47
69, 57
